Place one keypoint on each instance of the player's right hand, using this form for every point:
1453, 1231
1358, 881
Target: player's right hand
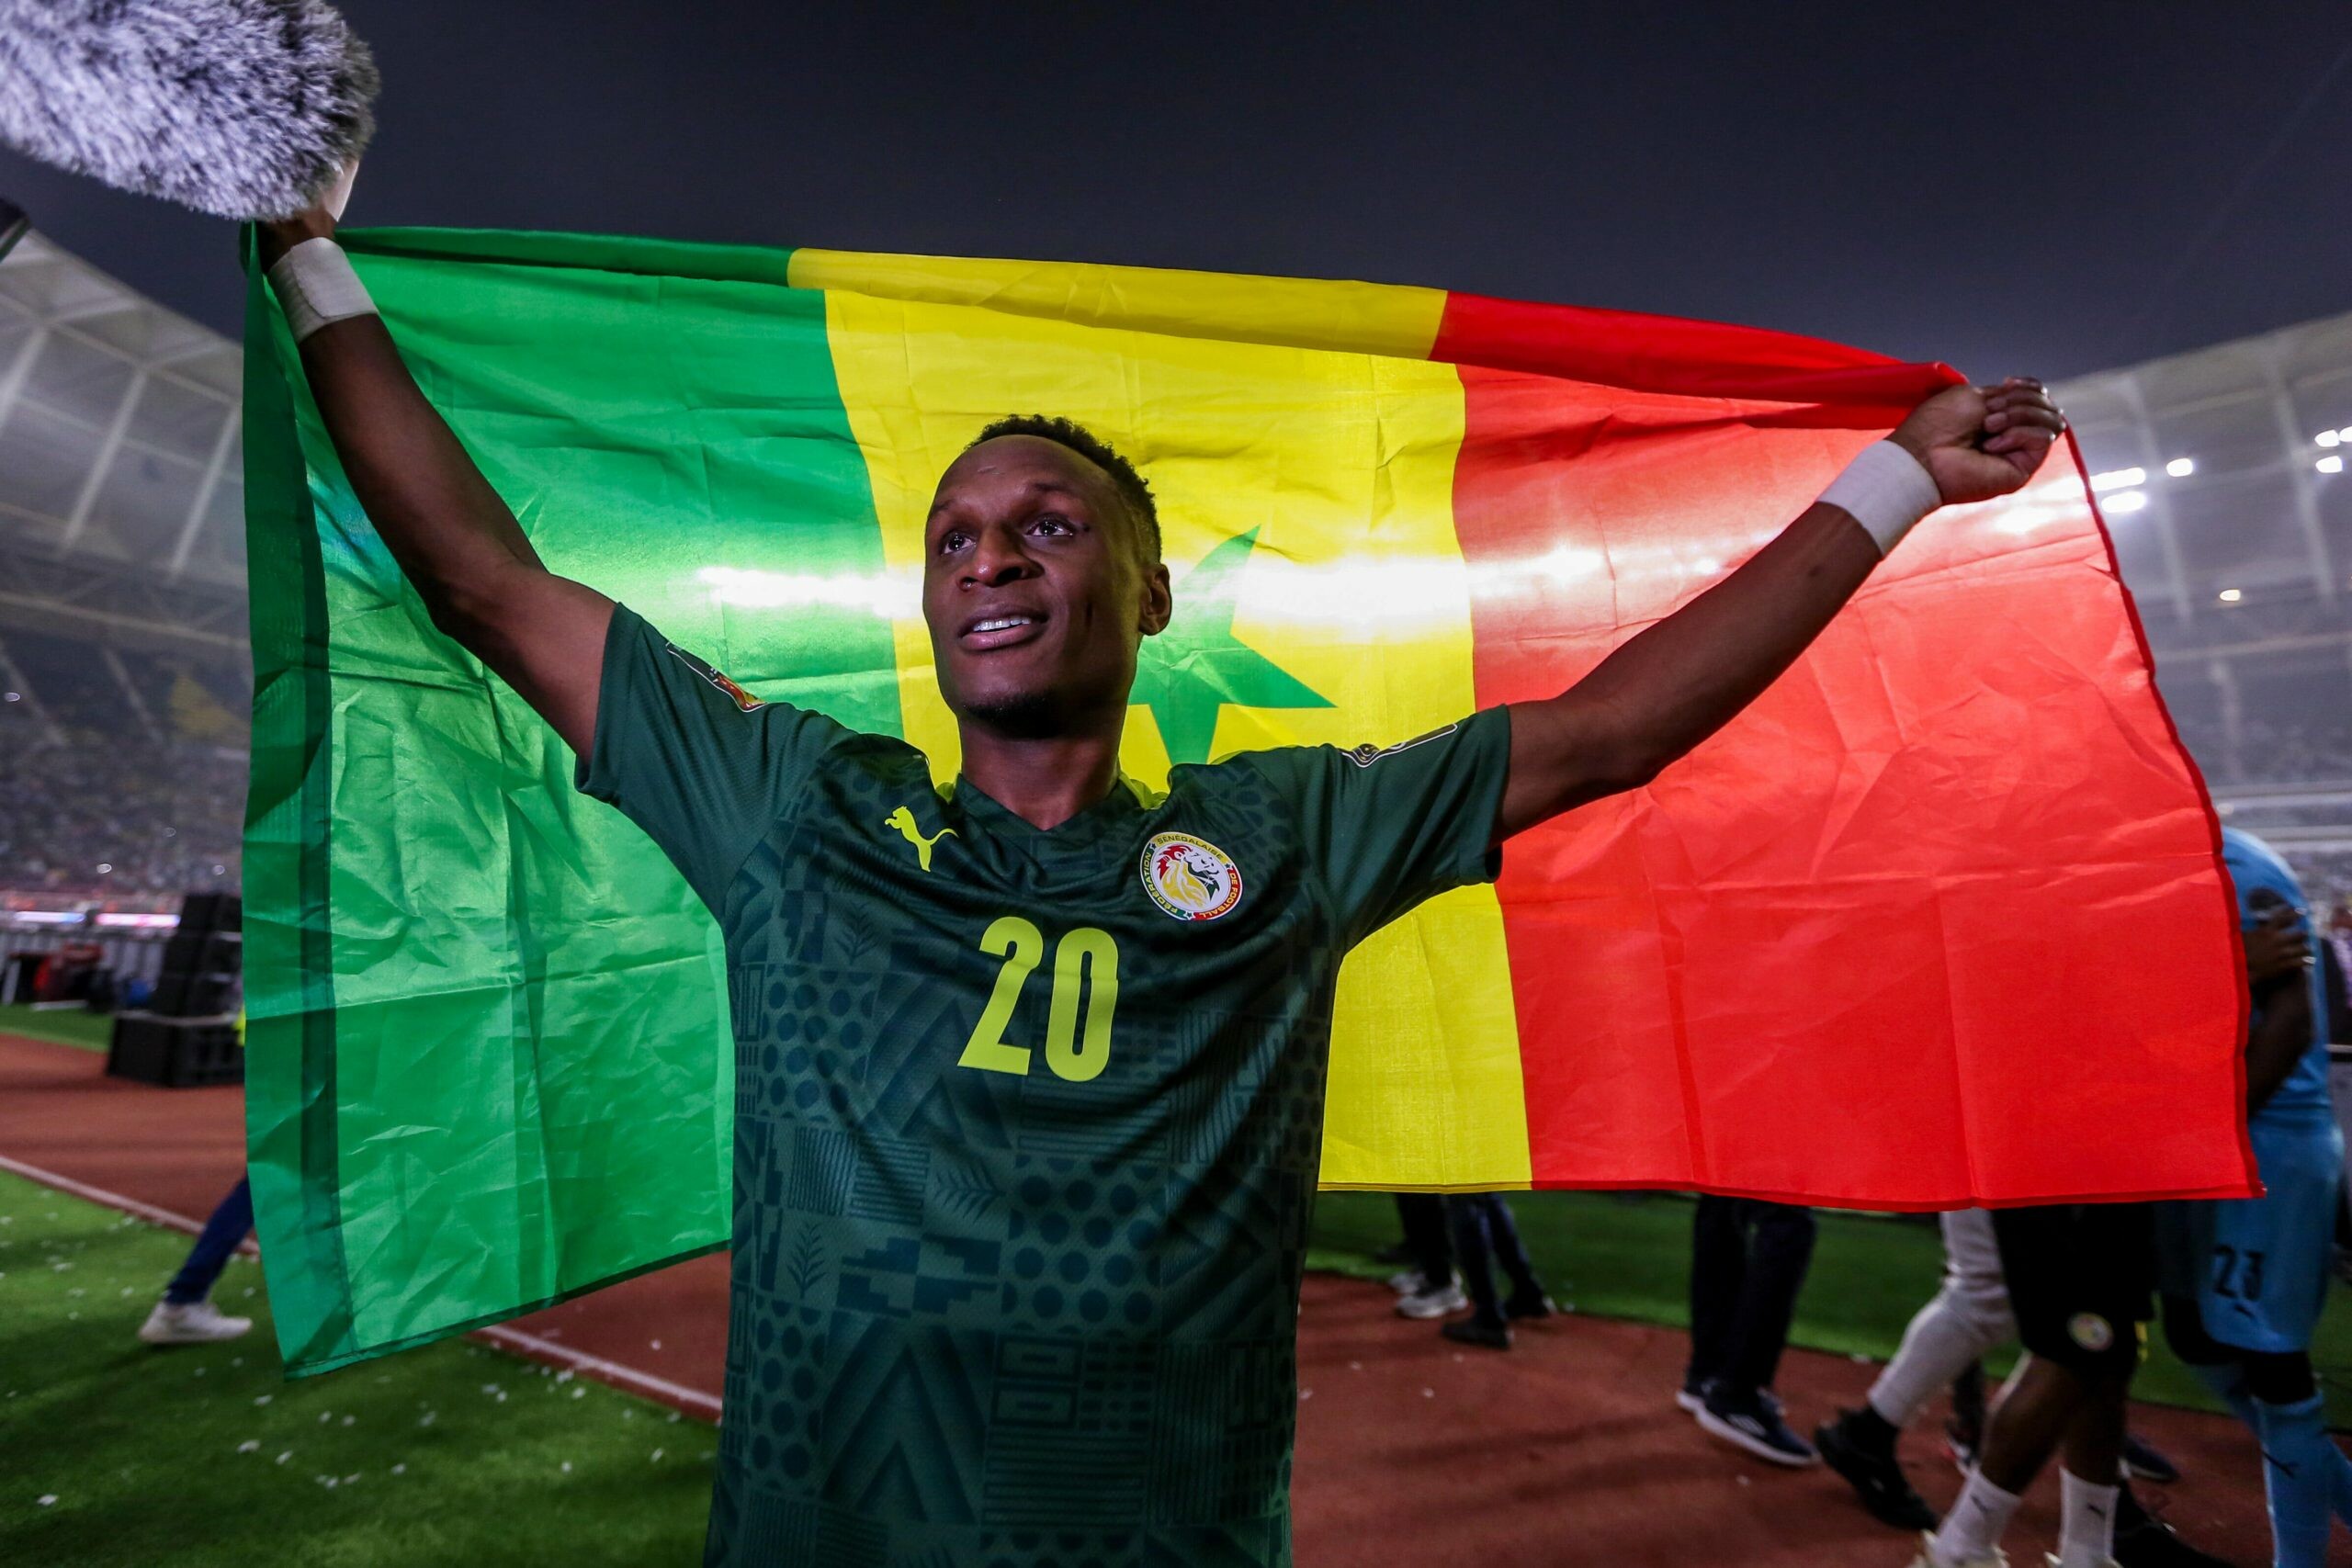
1978, 442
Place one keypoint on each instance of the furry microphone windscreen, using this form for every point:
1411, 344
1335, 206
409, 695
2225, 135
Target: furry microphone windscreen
244, 108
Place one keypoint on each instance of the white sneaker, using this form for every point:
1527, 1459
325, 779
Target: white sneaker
1448, 1298
1406, 1281
1927, 1557
196, 1323
2052, 1559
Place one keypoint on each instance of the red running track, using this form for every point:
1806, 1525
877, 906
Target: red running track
1568, 1450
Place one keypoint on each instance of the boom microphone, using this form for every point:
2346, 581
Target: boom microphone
243, 108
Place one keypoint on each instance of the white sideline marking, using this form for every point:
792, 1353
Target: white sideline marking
147, 1212
663, 1389
511, 1339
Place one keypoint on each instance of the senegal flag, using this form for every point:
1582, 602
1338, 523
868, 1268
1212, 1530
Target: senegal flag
1939, 921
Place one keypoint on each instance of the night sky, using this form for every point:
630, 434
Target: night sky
2089, 185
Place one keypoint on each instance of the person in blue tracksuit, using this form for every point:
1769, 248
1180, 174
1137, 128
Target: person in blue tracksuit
2245, 1278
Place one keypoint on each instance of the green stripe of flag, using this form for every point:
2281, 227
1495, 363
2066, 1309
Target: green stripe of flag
663, 419
289, 1042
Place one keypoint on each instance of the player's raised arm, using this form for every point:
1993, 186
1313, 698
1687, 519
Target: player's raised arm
453, 537
1681, 680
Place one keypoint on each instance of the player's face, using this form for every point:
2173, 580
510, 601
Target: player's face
1035, 589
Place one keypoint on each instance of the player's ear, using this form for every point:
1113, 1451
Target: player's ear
1158, 600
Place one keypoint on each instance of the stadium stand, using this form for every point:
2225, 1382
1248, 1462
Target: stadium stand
2220, 473
124, 683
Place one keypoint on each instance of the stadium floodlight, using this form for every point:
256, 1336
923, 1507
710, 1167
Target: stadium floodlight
2230, 595
2329, 437
2118, 478
2180, 468
2344, 435
2128, 501
2331, 464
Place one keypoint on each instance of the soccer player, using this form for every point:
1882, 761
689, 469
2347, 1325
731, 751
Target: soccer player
2245, 1278
2081, 1278
1967, 1318
1030, 1069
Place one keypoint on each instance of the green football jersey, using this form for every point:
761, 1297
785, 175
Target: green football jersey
1026, 1123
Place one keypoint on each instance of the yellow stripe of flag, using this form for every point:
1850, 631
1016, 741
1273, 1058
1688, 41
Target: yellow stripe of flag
1392, 320
1348, 590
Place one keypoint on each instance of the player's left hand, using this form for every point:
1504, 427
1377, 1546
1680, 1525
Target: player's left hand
1977, 443
2276, 947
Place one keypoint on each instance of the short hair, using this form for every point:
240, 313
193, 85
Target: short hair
1070, 433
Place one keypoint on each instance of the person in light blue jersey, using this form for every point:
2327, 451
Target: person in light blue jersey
2245, 1278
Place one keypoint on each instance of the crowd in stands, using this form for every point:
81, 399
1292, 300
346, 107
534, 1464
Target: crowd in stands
2270, 750
162, 815
122, 770
97, 815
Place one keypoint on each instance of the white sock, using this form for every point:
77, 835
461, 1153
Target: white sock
2086, 1528
1973, 1530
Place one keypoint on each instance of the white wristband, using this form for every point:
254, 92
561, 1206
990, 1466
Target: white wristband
317, 288
1884, 490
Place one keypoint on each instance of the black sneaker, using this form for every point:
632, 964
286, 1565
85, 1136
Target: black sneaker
2144, 1540
1692, 1395
1470, 1331
1528, 1308
2142, 1460
1743, 1419
1877, 1478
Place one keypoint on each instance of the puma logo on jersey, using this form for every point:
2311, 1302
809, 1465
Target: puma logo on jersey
904, 821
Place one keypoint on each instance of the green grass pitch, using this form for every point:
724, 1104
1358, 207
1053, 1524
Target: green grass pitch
116, 1455
61, 1026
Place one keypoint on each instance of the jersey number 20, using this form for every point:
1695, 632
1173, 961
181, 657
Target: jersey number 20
1086, 981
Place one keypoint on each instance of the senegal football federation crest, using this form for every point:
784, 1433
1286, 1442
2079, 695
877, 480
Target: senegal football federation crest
2092, 1332
1191, 878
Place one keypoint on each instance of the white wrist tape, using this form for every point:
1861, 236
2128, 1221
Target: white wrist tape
317, 288
1884, 490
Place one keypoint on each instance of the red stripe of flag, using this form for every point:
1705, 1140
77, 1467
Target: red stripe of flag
1939, 920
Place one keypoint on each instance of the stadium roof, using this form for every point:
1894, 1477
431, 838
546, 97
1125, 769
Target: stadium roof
121, 484
2221, 475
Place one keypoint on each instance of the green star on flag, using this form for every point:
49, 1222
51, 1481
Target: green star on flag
1197, 665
